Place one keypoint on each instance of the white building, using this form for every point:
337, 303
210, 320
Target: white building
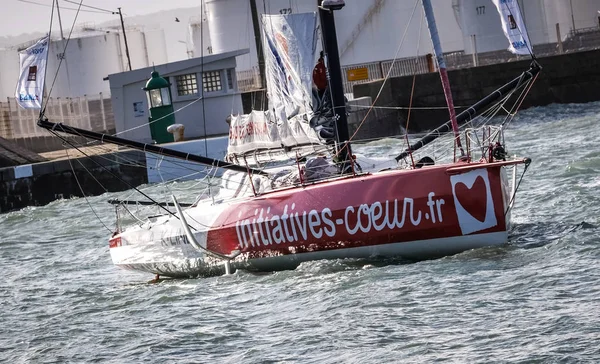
202, 110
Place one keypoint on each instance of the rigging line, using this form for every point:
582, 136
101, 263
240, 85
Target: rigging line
130, 162
512, 199
134, 163
510, 114
131, 213
62, 58
83, 193
113, 174
169, 191
412, 91
48, 52
526, 93
407, 107
150, 122
202, 180
87, 170
157, 167
389, 70
153, 121
64, 8
91, 7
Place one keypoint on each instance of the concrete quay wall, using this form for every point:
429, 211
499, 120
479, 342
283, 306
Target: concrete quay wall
41, 183
567, 78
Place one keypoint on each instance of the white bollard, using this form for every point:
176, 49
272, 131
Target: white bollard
177, 131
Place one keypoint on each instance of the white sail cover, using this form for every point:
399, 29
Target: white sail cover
30, 87
258, 131
513, 26
289, 43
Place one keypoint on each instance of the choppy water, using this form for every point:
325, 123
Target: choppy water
536, 300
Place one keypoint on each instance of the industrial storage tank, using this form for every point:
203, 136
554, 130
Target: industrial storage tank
480, 18
368, 30
9, 71
199, 37
86, 61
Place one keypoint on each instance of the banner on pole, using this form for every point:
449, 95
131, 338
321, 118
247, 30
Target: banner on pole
513, 26
30, 87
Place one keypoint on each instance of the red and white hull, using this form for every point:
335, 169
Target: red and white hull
417, 214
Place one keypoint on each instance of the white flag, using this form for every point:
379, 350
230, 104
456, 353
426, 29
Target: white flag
513, 26
30, 87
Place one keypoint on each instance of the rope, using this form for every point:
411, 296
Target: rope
83, 193
114, 175
388, 73
48, 50
512, 199
43, 111
412, 93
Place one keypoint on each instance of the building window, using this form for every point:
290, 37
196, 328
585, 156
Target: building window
187, 84
212, 81
230, 75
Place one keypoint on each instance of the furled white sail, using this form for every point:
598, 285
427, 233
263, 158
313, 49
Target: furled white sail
290, 44
30, 87
513, 26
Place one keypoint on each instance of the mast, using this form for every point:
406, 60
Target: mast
58, 127
439, 55
257, 39
124, 39
336, 87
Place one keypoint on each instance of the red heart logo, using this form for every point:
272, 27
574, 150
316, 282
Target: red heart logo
474, 199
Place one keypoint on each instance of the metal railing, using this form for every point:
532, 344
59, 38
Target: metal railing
92, 112
249, 80
579, 40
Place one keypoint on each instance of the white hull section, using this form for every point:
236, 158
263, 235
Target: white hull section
185, 261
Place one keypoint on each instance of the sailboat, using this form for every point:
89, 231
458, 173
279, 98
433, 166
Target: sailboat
329, 207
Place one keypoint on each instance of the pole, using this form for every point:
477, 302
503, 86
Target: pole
559, 39
336, 87
437, 47
259, 49
572, 15
124, 39
474, 50
59, 21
